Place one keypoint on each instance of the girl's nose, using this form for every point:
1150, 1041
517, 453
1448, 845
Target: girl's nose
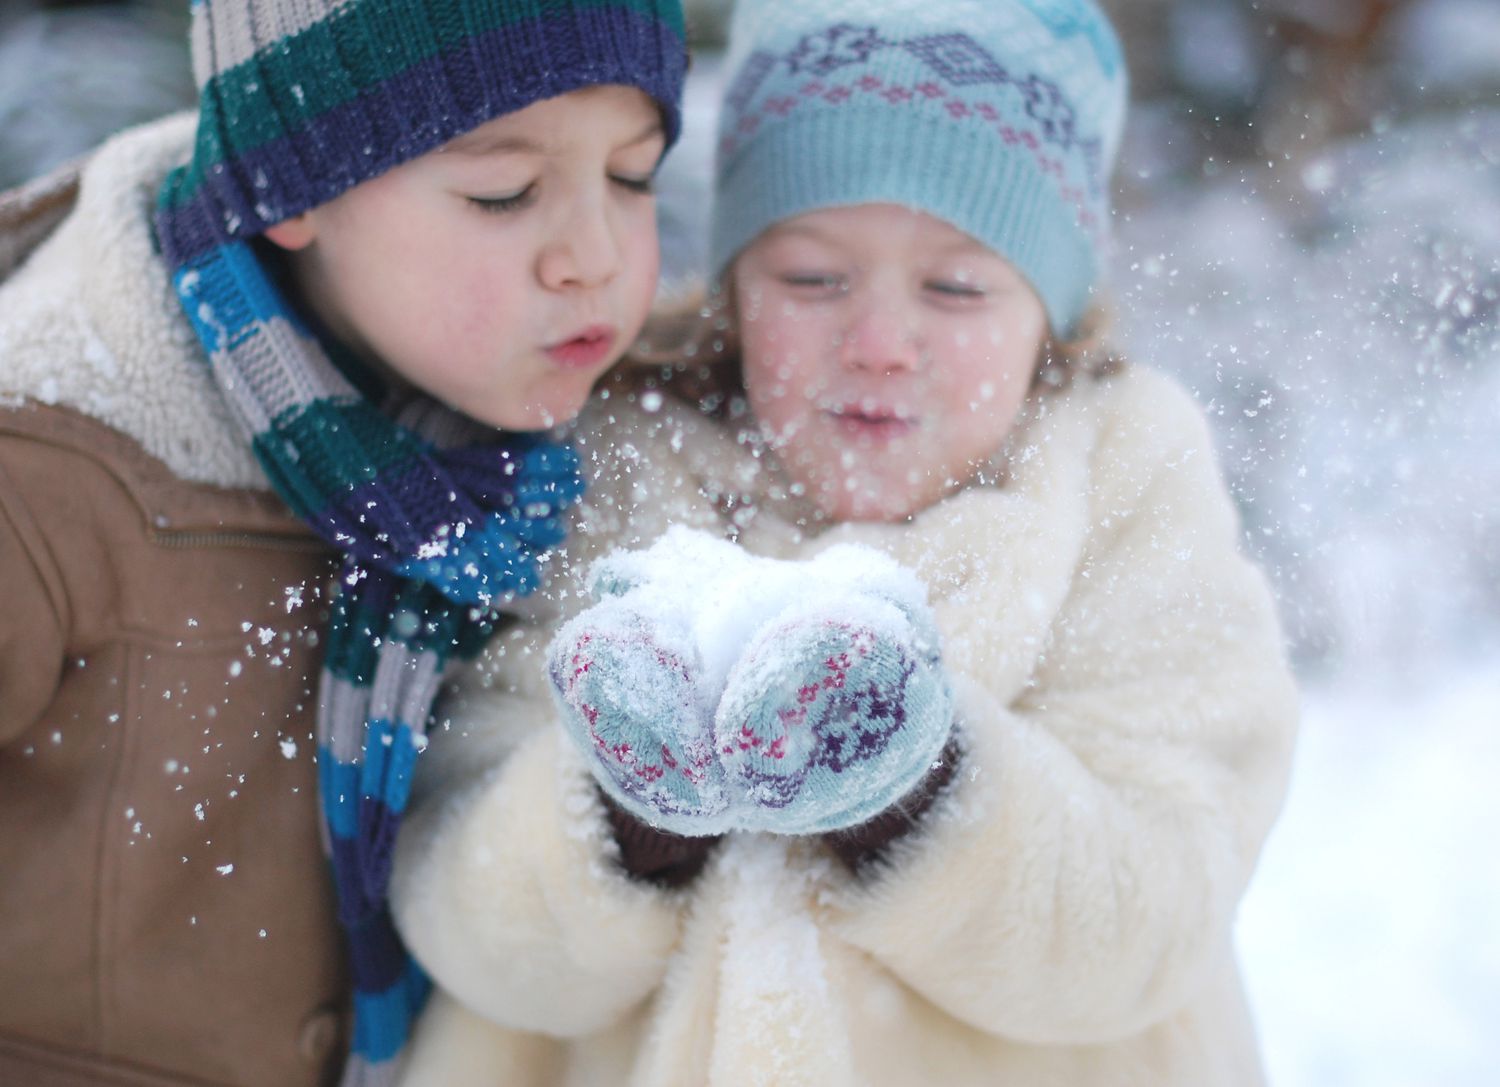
881, 336
585, 248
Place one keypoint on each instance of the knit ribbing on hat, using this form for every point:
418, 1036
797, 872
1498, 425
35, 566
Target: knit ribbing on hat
300, 100
1001, 117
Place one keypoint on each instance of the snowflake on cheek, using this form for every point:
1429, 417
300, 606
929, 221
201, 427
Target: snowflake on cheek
1045, 103
834, 48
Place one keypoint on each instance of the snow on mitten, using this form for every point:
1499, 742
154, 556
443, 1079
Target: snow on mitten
628, 682
837, 707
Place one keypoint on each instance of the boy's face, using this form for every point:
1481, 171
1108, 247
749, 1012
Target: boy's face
886, 354
504, 272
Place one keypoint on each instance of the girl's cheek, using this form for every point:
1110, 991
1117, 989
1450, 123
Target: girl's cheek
750, 301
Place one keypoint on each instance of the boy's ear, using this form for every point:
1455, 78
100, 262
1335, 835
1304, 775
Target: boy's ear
294, 233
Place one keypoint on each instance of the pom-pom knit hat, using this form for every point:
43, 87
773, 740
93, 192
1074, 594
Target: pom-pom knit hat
1001, 117
441, 522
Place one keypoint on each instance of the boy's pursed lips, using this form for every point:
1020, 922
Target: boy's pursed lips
585, 348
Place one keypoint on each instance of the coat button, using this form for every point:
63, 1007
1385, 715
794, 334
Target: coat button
320, 1032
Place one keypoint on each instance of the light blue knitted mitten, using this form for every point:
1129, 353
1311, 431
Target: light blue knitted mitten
714, 690
833, 713
629, 686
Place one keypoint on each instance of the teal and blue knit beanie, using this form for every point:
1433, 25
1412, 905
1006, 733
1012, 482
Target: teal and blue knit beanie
1001, 117
300, 100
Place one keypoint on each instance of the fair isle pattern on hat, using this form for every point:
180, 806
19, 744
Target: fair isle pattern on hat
1000, 116
440, 521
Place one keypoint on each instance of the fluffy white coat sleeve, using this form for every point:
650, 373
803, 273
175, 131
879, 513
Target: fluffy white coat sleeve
1128, 715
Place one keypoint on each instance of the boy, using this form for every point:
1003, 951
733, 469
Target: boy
231, 350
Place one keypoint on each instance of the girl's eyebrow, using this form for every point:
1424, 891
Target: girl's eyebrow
805, 230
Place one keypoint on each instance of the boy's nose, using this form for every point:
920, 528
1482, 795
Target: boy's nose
585, 250
881, 336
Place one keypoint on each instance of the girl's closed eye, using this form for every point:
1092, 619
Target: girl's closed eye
815, 282
956, 287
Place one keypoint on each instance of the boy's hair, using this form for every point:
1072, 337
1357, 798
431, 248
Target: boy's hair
301, 100
1001, 117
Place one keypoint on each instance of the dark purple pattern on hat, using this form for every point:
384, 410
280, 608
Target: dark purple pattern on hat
958, 58
835, 47
1047, 106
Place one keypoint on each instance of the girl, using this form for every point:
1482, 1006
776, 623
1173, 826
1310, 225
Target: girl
236, 347
774, 880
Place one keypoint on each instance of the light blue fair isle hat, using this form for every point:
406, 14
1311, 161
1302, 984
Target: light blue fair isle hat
1001, 117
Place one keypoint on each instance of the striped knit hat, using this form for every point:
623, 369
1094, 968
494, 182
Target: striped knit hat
441, 522
300, 100
1001, 117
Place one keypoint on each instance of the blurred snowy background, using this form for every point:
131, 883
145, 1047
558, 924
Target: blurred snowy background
1309, 236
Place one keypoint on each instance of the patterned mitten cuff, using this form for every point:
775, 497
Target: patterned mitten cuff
832, 714
865, 844
629, 688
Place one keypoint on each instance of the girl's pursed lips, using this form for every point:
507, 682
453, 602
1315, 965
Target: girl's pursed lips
871, 424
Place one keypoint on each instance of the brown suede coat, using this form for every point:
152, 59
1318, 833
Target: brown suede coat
166, 915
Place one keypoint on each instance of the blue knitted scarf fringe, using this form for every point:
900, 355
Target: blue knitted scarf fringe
440, 522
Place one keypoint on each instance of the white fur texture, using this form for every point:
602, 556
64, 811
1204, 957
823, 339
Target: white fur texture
90, 320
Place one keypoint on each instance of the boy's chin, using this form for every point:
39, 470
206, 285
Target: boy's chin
536, 415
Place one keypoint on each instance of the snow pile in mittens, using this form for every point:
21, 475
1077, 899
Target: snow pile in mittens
715, 690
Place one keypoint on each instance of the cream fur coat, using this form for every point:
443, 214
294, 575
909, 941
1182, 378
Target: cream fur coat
1063, 916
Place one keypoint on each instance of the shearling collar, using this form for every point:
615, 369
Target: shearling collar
90, 321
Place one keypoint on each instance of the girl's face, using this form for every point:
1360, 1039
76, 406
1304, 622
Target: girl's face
886, 354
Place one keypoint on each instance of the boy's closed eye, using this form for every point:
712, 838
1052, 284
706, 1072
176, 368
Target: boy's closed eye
635, 185
513, 201
643, 185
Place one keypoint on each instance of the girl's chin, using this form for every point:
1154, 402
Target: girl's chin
866, 504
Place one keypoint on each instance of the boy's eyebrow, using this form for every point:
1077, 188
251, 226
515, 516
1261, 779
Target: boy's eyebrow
471, 143
651, 131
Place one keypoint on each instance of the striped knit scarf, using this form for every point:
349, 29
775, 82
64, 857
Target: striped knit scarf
438, 530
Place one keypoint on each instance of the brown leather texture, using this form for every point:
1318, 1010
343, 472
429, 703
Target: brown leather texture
166, 914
